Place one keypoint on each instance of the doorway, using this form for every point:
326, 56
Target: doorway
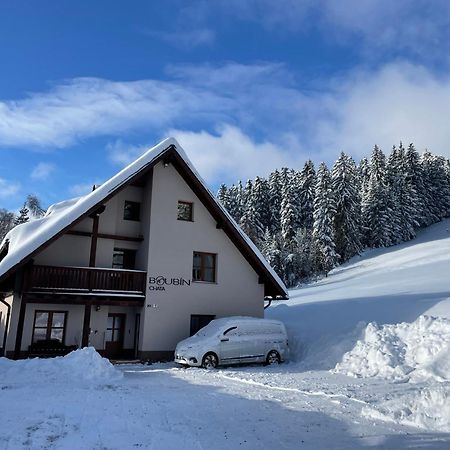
114, 335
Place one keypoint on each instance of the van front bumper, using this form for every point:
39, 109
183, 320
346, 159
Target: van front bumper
191, 361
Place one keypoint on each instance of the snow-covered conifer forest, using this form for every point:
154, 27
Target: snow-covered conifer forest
308, 221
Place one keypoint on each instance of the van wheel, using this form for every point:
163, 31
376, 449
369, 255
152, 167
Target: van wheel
210, 361
273, 358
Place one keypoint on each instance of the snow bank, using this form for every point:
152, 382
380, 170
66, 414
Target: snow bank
428, 409
414, 351
84, 365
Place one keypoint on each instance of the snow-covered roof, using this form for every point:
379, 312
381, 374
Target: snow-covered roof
26, 239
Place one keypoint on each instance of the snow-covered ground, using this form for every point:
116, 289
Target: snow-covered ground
370, 357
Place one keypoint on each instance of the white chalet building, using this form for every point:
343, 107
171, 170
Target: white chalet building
138, 264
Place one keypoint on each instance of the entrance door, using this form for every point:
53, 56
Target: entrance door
114, 335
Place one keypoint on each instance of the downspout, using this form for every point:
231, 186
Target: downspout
5, 335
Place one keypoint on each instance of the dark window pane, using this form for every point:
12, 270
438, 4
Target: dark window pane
124, 258
209, 261
40, 334
118, 322
208, 275
58, 320
196, 274
110, 321
197, 260
41, 319
132, 210
184, 211
57, 333
108, 335
118, 259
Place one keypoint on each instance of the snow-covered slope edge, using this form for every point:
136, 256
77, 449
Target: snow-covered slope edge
386, 286
384, 315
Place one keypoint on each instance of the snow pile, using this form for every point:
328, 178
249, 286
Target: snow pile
400, 352
428, 409
84, 365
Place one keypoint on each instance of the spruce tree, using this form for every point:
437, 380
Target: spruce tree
250, 221
260, 198
23, 216
345, 185
222, 195
323, 226
288, 215
403, 197
375, 213
274, 201
306, 195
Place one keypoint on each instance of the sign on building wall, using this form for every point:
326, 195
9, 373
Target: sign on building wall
160, 282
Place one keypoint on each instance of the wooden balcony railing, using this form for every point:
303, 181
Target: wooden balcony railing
87, 279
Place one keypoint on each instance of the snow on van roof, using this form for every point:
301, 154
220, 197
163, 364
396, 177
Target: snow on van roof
26, 238
235, 319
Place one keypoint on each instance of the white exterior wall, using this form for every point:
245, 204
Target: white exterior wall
70, 250
171, 246
11, 339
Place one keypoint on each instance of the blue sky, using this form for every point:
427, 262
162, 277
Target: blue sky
244, 85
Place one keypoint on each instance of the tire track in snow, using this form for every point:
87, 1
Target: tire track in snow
287, 389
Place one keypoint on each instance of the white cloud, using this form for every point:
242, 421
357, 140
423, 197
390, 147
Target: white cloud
254, 114
87, 107
230, 155
399, 102
42, 171
8, 188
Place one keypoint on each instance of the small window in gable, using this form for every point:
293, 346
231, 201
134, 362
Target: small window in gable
185, 211
132, 211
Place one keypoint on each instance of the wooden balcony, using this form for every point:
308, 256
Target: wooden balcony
90, 280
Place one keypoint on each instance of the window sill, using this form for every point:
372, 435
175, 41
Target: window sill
204, 282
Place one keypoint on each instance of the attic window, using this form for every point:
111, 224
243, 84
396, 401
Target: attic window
132, 211
185, 210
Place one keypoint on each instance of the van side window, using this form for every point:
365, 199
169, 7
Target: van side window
229, 331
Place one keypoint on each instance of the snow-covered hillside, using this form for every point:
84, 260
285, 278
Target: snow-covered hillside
387, 286
384, 315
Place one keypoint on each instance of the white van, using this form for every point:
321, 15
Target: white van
234, 340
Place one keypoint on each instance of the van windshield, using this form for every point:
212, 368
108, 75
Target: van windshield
210, 330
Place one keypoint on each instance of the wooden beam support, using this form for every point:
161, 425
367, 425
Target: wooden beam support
20, 324
86, 325
94, 237
114, 237
61, 299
